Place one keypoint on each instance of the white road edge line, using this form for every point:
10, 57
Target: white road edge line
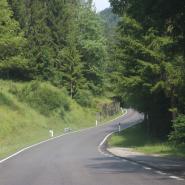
161, 173
42, 142
104, 140
146, 168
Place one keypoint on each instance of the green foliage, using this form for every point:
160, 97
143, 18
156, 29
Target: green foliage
22, 124
29, 110
45, 98
110, 22
149, 59
7, 101
12, 62
92, 47
131, 138
70, 66
177, 136
169, 20
139, 75
84, 98
66, 45
137, 139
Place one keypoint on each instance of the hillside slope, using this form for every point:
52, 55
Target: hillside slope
29, 110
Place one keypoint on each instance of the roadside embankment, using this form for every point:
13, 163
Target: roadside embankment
29, 110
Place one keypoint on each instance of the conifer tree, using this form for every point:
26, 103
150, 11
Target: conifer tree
92, 46
140, 72
150, 56
12, 61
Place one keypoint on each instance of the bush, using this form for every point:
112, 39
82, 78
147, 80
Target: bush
6, 100
44, 97
84, 98
177, 136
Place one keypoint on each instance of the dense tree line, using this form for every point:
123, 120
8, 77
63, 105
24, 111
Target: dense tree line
58, 41
110, 21
12, 42
150, 60
68, 44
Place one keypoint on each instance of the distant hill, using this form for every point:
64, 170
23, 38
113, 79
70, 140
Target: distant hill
109, 17
110, 21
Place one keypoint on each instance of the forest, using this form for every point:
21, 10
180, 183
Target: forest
53, 60
133, 52
56, 41
148, 68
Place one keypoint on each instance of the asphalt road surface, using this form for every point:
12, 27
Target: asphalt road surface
74, 159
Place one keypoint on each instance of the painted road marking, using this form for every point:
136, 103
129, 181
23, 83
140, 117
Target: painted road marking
134, 163
104, 140
147, 168
42, 142
177, 178
161, 173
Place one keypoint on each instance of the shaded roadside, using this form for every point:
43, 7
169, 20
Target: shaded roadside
171, 165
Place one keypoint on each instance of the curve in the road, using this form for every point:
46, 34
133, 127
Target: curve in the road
53, 138
75, 160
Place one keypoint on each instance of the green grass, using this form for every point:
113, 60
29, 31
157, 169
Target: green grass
137, 139
24, 121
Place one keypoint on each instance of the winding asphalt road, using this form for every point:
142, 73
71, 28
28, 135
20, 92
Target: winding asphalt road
74, 159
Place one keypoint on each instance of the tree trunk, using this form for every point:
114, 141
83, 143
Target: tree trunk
173, 106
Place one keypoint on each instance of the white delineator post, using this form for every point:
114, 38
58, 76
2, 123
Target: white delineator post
51, 133
119, 127
96, 123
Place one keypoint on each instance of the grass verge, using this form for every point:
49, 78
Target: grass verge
137, 139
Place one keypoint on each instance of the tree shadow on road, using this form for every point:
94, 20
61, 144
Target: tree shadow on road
108, 165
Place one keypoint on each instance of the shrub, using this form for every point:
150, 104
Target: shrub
6, 100
44, 97
177, 136
84, 98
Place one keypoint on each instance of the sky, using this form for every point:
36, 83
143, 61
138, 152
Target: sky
101, 4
